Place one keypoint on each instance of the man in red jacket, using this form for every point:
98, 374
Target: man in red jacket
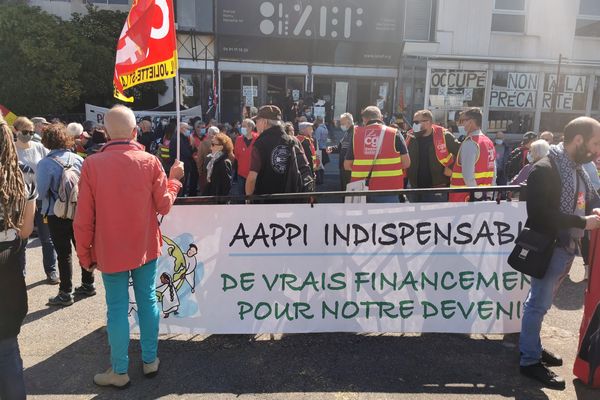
121, 190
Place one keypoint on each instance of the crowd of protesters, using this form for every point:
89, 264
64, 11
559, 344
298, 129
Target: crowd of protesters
111, 170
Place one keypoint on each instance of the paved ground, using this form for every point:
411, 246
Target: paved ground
63, 348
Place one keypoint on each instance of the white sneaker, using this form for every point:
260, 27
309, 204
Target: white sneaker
150, 370
110, 378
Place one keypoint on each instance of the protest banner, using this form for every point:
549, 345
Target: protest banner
340, 268
96, 113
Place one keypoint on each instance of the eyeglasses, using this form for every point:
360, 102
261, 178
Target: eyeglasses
30, 133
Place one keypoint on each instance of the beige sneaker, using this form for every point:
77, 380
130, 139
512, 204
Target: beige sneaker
150, 370
109, 378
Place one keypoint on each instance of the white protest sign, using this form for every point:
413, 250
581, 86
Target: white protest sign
96, 113
341, 268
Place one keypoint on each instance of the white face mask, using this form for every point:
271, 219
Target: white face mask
499, 141
344, 128
462, 131
416, 128
244, 131
529, 157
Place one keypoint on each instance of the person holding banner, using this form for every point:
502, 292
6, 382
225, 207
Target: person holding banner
561, 204
377, 154
121, 191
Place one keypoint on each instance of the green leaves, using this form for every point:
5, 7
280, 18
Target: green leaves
49, 66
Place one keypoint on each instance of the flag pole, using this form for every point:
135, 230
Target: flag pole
178, 112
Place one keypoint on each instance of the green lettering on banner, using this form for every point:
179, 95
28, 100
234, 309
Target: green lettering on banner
358, 279
326, 309
429, 310
302, 309
466, 312
288, 280
247, 281
501, 310
425, 279
353, 312
407, 308
451, 276
388, 283
283, 312
525, 281
508, 279
387, 308
484, 309
271, 284
245, 308
492, 281
267, 310
466, 279
229, 282
409, 280
448, 308
339, 279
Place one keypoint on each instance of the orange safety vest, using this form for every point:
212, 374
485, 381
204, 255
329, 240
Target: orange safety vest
484, 168
387, 169
439, 143
315, 159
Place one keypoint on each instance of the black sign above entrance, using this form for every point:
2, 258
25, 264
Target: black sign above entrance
339, 32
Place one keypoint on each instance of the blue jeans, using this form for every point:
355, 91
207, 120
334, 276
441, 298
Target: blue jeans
539, 300
48, 253
12, 384
240, 189
117, 305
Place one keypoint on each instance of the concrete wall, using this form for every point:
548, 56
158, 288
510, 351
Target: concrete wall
464, 29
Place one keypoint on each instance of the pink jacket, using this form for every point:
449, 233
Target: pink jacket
122, 190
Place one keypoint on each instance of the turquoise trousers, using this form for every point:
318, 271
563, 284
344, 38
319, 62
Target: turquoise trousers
117, 307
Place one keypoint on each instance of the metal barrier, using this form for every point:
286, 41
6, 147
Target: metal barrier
504, 193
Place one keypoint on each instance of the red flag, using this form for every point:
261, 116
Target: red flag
146, 50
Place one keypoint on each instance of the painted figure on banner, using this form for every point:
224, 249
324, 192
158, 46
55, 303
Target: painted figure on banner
167, 295
132, 303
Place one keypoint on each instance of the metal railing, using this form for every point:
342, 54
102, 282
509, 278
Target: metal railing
499, 193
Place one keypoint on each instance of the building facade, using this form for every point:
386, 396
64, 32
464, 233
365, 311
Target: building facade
339, 56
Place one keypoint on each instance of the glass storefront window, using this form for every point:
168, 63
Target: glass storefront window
571, 94
511, 121
556, 122
196, 88
451, 89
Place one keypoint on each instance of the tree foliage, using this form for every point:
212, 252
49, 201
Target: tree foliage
49, 66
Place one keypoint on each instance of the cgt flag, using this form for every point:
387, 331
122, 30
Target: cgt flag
146, 50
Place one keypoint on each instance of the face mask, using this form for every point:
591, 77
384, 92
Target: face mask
416, 128
203, 131
499, 141
24, 138
187, 133
529, 157
345, 128
462, 131
244, 131
583, 156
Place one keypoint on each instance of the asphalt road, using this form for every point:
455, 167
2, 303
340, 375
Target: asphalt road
63, 348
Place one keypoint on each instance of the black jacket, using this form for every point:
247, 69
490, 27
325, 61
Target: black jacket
220, 180
543, 201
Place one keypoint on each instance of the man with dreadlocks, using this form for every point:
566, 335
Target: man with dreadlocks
17, 209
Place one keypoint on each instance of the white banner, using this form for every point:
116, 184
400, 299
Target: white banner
340, 268
96, 114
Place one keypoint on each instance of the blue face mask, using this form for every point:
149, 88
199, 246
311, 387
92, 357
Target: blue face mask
244, 131
462, 131
203, 131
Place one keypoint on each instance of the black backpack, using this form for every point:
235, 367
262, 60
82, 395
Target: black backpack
299, 176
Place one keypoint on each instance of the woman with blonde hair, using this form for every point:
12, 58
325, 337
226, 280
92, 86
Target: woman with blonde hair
31, 153
17, 209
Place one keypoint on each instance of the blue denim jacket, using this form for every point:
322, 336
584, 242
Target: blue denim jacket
48, 177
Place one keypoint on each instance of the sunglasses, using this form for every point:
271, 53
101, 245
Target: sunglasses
30, 133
